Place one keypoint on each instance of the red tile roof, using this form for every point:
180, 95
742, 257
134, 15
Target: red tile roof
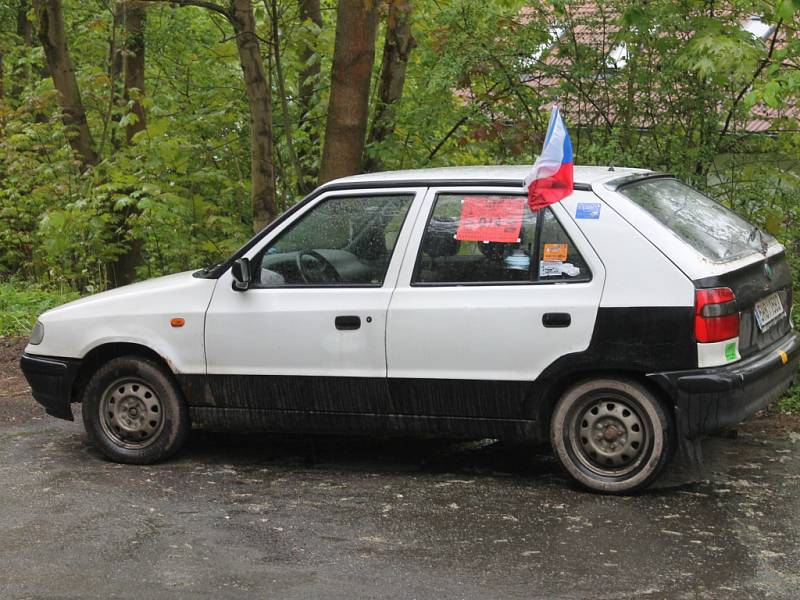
594, 26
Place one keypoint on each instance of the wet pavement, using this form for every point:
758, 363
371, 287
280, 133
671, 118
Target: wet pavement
298, 517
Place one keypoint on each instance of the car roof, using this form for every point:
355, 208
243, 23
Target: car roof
502, 174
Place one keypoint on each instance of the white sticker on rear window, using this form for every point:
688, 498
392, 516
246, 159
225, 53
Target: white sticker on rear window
550, 269
570, 270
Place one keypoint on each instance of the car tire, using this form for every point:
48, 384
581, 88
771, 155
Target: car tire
612, 435
133, 411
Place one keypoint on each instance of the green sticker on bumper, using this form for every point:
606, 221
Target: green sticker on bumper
730, 351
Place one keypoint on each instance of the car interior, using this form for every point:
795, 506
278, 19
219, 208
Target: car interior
349, 241
444, 259
342, 241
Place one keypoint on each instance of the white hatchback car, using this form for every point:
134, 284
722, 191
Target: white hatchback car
625, 321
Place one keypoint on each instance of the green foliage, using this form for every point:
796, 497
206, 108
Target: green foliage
473, 95
182, 186
22, 302
790, 403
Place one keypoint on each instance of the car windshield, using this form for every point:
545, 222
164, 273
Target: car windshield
713, 230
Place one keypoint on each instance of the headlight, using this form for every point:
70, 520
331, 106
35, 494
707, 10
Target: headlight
37, 335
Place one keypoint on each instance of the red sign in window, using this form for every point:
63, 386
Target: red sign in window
490, 219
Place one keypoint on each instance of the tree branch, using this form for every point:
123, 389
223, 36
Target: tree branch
761, 66
199, 3
448, 135
475, 110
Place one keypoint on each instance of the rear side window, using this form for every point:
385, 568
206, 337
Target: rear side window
559, 260
494, 239
716, 232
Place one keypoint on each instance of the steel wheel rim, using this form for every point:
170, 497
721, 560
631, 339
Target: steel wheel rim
610, 435
131, 413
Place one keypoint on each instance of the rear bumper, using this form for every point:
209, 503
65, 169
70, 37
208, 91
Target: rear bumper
710, 400
51, 382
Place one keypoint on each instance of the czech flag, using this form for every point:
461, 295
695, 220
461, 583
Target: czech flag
550, 179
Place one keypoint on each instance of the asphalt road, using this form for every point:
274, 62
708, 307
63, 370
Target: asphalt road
297, 517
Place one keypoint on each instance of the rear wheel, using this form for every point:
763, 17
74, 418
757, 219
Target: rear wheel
133, 412
612, 435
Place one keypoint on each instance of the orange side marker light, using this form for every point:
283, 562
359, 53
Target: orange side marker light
177, 322
784, 356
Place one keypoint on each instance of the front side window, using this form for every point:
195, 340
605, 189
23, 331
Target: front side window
494, 239
341, 241
716, 232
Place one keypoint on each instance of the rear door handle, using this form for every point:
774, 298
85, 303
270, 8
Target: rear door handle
347, 322
556, 319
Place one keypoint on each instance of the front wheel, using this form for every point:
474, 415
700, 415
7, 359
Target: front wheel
612, 435
133, 412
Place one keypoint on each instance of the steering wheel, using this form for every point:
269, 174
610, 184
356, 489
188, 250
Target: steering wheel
323, 272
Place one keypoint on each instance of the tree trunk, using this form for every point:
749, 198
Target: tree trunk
115, 75
353, 57
309, 74
54, 42
133, 63
133, 22
396, 50
20, 74
24, 26
272, 7
262, 185
311, 16
262, 180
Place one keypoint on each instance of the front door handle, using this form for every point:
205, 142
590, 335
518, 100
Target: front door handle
347, 322
556, 319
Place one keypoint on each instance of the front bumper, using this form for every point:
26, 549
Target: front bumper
51, 382
710, 400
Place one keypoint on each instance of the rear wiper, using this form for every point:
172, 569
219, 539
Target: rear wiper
762, 243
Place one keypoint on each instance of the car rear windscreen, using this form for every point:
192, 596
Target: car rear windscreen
713, 230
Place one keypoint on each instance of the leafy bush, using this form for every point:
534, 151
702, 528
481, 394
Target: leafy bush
790, 403
21, 303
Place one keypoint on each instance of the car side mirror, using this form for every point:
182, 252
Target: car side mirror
241, 274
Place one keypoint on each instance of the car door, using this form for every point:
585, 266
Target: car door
489, 295
309, 333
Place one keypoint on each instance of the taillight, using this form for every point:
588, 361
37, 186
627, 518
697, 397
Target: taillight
716, 317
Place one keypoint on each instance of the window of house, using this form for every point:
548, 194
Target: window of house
618, 57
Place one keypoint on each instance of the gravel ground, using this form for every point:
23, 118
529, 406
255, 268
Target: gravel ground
15, 397
241, 516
